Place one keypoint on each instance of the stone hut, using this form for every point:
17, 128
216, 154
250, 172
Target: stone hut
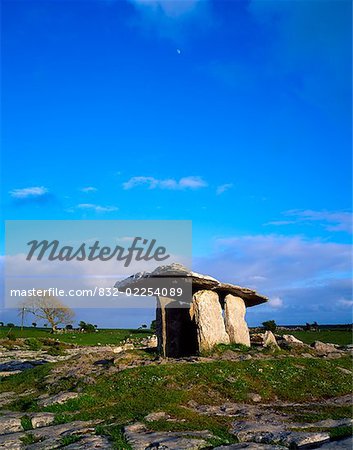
208, 312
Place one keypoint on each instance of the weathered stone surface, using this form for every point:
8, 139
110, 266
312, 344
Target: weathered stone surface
249, 446
50, 437
207, 314
327, 423
42, 419
10, 425
270, 340
7, 397
57, 399
343, 444
234, 318
256, 398
160, 415
344, 370
323, 347
276, 434
91, 442
199, 282
140, 438
292, 340
257, 338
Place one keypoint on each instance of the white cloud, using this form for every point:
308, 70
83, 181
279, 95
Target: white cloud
305, 279
223, 188
96, 208
190, 182
88, 189
29, 192
276, 302
345, 303
330, 220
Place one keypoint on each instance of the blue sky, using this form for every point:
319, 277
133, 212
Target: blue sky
233, 114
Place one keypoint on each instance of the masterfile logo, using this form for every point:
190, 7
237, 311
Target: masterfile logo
82, 260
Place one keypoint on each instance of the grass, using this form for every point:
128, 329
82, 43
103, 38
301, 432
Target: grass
29, 439
103, 337
67, 440
124, 397
26, 423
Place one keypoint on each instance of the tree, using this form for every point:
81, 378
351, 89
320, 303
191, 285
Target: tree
49, 308
153, 325
69, 326
270, 325
34, 324
87, 327
11, 325
1, 324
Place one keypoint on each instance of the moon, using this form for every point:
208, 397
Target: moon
178, 51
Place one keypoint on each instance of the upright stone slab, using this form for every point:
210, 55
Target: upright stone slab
234, 317
207, 313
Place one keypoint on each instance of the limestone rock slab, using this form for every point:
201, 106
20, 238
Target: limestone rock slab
207, 313
234, 317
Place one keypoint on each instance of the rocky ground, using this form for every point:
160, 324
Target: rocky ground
253, 423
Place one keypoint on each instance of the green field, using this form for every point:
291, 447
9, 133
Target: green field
115, 336
100, 337
340, 337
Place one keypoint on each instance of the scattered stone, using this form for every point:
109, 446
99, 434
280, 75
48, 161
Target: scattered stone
57, 399
207, 313
152, 342
249, 446
257, 338
7, 374
305, 440
90, 442
157, 416
118, 349
10, 424
128, 346
140, 438
276, 434
7, 397
344, 370
307, 355
234, 317
270, 340
47, 437
42, 419
290, 339
256, 398
323, 347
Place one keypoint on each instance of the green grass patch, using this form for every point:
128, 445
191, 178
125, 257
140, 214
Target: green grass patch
29, 439
116, 434
305, 414
340, 337
103, 337
26, 423
130, 395
341, 432
67, 440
